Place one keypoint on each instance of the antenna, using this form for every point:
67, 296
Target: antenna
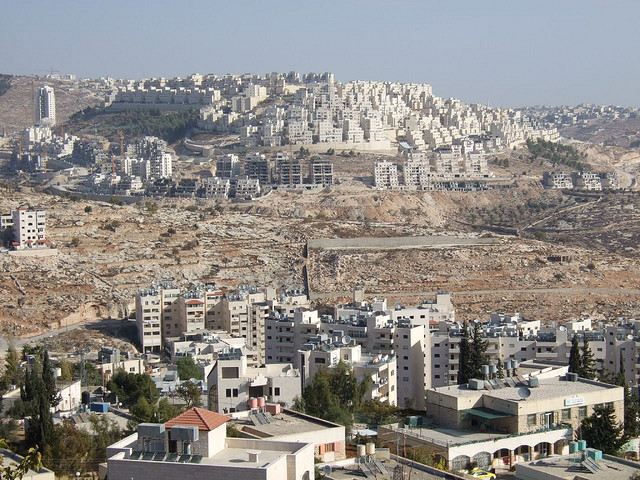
524, 393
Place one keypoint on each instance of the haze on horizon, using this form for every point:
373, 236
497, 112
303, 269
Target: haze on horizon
501, 52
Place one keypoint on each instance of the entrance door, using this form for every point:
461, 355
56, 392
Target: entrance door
548, 419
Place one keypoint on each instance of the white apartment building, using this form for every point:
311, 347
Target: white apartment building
28, 227
232, 383
149, 318
247, 188
216, 188
385, 175
376, 332
557, 180
228, 166
322, 352
46, 107
417, 169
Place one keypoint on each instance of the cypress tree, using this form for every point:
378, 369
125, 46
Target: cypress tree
588, 363
575, 361
478, 351
465, 369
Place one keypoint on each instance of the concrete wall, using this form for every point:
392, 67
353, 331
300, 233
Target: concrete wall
390, 242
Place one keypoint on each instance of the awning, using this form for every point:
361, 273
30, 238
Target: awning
485, 413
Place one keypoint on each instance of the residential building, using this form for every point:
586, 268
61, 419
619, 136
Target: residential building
321, 172
195, 445
228, 166
557, 180
46, 107
232, 383
28, 228
385, 175
216, 188
12, 460
320, 352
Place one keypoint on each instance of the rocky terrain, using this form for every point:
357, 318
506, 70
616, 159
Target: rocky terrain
108, 253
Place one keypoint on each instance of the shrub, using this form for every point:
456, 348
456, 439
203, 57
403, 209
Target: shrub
88, 209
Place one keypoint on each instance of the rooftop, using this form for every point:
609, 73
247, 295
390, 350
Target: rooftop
286, 423
205, 420
549, 387
569, 467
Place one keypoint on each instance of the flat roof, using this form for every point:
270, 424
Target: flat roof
288, 422
549, 388
567, 467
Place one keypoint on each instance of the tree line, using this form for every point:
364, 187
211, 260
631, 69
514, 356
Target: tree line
556, 153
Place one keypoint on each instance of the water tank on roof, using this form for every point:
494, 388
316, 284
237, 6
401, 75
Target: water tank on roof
261, 401
485, 369
371, 448
253, 403
514, 363
582, 445
493, 369
362, 450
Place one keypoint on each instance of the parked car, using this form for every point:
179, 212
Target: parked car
480, 473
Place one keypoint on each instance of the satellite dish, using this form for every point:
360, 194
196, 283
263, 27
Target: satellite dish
524, 392
346, 340
326, 470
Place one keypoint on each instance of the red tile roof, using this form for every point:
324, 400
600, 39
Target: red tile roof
194, 302
205, 420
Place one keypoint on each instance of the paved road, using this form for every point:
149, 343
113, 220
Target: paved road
18, 343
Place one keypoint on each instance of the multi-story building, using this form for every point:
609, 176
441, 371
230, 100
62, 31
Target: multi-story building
322, 352
27, 226
216, 188
321, 172
288, 171
46, 107
232, 383
557, 180
385, 175
149, 318
246, 188
228, 166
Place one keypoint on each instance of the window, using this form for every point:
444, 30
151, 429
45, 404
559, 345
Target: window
531, 420
319, 360
437, 376
235, 392
566, 414
582, 412
405, 368
523, 349
436, 366
405, 336
277, 391
436, 355
405, 379
405, 357
228, 395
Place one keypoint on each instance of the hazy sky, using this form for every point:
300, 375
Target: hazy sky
501, 52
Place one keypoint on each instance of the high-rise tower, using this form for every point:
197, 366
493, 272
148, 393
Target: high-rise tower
46, 107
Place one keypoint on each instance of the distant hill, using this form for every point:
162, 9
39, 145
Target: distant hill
17, 108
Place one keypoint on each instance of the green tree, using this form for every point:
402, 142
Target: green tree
68, 450
130, 387
39, 395
65, 370
105, 433
334, 394
478, 351
32, 460
190, 394
11, 375
575, 360
187, 369
601, 431
500, 372
167, 410
144, 411
588, 369
465, 368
